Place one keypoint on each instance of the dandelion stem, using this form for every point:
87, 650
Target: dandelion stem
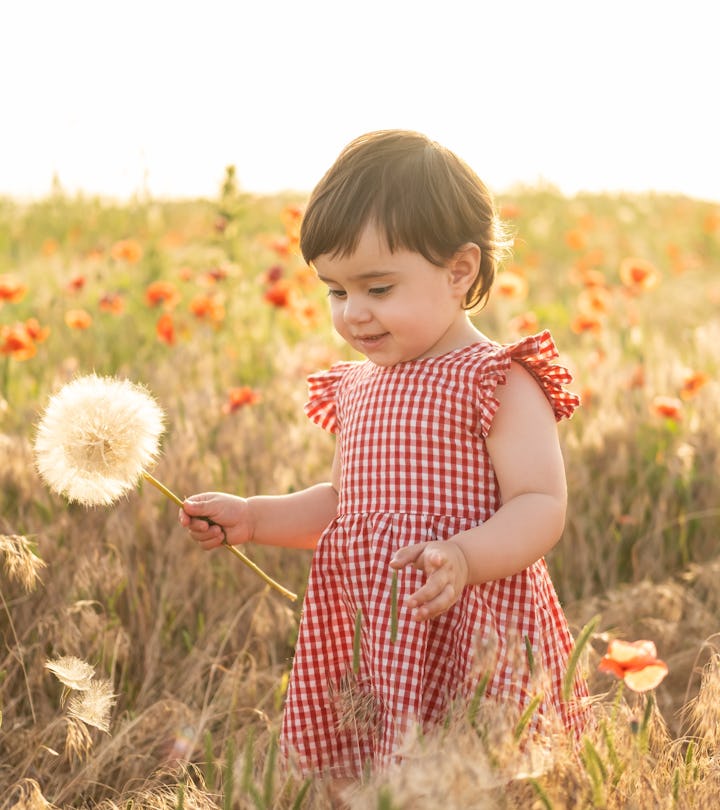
236, 551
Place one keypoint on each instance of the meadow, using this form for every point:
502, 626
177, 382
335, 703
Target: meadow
137, 671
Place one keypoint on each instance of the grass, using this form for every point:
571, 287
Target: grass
197, 649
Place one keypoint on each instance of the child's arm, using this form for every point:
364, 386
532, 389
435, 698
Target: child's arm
525, 451
296, 520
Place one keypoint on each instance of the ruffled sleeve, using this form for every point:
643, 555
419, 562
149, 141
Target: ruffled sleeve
536, 354
321, 407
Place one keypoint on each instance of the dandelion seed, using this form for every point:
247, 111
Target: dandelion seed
21, 563
93, 706
71, 671
96, 437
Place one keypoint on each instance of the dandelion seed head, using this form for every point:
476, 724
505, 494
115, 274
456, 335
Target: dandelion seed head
93, 705
96, 437
72, 671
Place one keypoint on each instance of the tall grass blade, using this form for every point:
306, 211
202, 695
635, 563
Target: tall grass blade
574, 660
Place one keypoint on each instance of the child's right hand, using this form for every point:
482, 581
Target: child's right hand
215, 517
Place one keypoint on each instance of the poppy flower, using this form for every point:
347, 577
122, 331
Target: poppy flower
11, 290
509, 210
594, 301
16, 342
205, 307
525, 324
586, 322
78, 319
575, 239
165, 329
692, 383
75, 283
511, 285
113, 303
239, 397
35, 331
162, 293
667, 407
635, 662
638, 275
278, 294
273, 274
127, 250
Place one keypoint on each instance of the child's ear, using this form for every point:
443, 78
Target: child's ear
465, 266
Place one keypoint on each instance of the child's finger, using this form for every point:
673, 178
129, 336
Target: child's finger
407, 555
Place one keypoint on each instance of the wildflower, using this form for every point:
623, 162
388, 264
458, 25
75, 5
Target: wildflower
35, 331
278, 294
509, 211
511, 285
93, 705
78, 319
95, 438
273, 274
71, 671
586, 322
205, 307
165, 329
667, 407
638, 275
635, 662
239, 397
127, 250
112, 303
594, 300
75, 283
16, 341
162, 293
11, 290
575, 239
525, 324
692, 383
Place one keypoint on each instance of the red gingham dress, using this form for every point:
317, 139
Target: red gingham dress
415, 468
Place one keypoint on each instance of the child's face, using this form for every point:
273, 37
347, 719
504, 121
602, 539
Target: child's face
394, 307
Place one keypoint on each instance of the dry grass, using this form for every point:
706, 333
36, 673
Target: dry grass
188, 654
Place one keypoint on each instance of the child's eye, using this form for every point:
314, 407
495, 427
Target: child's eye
336, 293
379, 291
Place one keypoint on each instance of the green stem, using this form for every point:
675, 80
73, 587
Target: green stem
236, 551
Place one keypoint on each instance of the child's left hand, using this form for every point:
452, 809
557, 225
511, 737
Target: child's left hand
446, 572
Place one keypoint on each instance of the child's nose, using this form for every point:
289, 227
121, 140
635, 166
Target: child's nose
356, 310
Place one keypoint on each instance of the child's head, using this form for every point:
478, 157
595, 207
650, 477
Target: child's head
419, 195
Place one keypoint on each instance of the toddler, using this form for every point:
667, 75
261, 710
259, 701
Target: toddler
447, 473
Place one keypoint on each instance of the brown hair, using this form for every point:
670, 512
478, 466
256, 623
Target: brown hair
420, 194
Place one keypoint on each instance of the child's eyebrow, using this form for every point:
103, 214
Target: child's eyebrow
370, 274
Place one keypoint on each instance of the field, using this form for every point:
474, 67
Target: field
137, 671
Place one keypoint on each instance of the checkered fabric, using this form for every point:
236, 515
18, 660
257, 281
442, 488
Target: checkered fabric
415, 468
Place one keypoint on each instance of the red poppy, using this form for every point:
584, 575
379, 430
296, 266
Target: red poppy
511, 285
162, 293
16, 341
692, 383
11, 289
205, 307
165, 329
239, 397
78, 319
636, 662
75, 283
667, 407
35, 331
127, 250
638, 275
278, 294
525, 324
586, 322
113, 303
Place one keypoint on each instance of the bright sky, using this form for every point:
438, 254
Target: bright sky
612, 95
